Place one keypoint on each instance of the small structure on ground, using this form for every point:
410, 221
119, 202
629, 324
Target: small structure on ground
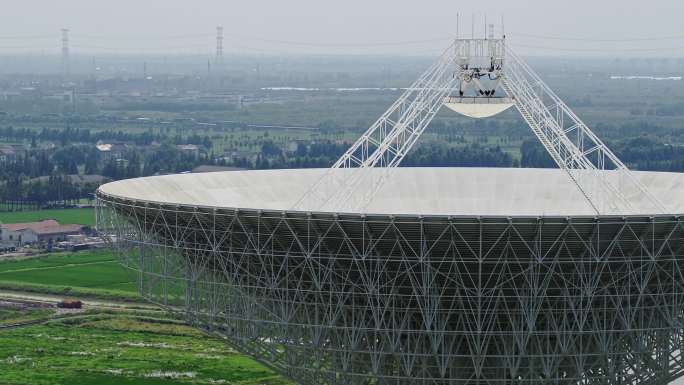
70, 304
191, 150
44, 232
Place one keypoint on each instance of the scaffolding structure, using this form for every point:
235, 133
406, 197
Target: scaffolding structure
326, 292
379, 299
469, 65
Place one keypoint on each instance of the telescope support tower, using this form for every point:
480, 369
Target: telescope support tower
468, 63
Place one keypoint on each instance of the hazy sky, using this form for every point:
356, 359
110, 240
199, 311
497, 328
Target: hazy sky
342, 26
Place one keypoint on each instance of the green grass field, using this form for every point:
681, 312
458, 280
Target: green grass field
9, 315
63, 216
94, 272
123, 349
142, 347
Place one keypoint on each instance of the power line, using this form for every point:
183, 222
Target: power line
598, 40
266, 40
155, 48
238, 37
39, 47
635, 49
339, 44
236, 43
159, 37
27, 37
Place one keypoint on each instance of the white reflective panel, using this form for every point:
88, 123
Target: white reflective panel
410, 190
478, 107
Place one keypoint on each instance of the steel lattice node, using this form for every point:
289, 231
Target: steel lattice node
535, 289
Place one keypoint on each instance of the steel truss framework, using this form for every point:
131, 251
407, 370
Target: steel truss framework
353, 299
386, 141
569, 142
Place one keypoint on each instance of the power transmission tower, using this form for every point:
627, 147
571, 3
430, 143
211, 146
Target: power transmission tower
219, 45
65, 52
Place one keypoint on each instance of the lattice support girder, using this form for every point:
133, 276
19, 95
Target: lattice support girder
569, 142
329, 299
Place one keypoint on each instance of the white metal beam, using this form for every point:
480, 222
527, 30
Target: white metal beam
603, 179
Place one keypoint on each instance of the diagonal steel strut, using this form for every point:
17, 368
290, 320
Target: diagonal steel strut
387, 141
605, 182
603, 179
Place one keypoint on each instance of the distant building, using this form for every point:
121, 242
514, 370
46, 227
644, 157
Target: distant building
107, 151
10, 153
121, 162
232, 154
292, 146
7, 154
189, 149
43, 232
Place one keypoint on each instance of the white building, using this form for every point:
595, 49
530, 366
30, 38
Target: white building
43, 232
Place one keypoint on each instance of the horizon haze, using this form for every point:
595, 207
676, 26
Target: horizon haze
305, 27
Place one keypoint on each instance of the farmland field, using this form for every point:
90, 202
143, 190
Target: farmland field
123, 349
63, 216
100, 346
12, 315
95, 273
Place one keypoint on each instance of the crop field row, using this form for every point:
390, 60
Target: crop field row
84, 216
122, 349
90, 273
10, 315
99, 346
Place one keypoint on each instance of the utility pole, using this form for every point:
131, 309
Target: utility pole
65, 52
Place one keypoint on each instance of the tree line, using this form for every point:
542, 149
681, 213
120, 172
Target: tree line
43, 178
76, 135
40, 177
